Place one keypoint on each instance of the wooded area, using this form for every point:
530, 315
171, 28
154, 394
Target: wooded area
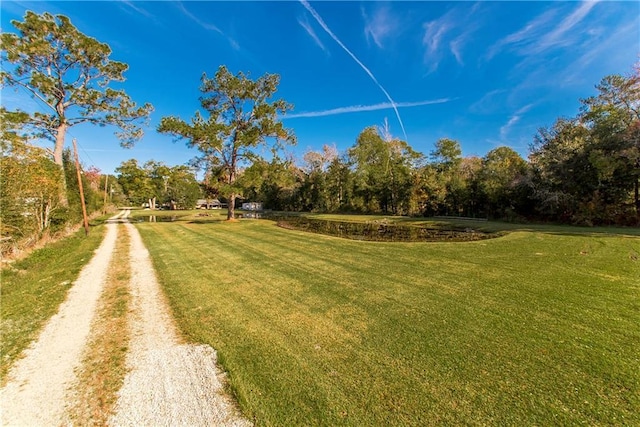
582, 170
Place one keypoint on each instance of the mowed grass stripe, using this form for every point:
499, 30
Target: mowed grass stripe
405, 269
255, 324
322, 331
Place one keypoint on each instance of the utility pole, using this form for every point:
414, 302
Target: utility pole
104, 204
84, 208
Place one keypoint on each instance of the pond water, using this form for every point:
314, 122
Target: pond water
383, 232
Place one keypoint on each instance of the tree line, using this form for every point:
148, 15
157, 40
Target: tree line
31, 191
582, 170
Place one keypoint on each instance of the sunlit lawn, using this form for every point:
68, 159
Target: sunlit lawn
535, 328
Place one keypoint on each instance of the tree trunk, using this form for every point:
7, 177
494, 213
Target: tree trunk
637, 195
231, 207
59, 146
57, 158
47, 214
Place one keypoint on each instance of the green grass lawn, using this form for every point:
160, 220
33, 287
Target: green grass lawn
534, 328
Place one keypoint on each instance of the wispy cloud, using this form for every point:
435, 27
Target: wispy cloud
569, 43
620, 47
527, 34
320, 21
489, 102
207, 26
434, 32
380, 25
197, 20
363, 108
539, 35
305, 24
137, 8
557, 36
448, 34
456, 48
513, 120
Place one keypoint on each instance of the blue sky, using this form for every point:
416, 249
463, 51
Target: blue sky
483, 73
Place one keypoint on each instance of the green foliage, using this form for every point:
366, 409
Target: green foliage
93, 196
447, 154
503, 172
70, 73
274, 183
382, 171
339, 185
443, 180
240, 117
315, 193
182, 189
134, 181
588, 168
583, 170
176, 186
30, 191
11, 124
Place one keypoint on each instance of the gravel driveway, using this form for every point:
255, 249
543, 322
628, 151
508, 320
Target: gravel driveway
168, 382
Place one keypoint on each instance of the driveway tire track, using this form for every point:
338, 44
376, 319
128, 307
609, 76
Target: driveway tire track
38, 385
168, 383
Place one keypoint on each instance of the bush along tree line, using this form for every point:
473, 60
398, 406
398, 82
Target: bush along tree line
31, 191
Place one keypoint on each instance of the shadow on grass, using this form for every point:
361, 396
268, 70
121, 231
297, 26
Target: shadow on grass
206, 221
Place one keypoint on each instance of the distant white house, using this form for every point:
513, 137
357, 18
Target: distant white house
252, 206
208, 204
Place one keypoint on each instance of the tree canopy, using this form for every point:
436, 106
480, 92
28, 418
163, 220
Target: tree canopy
71, 75
581, 170
239, 117
588, 167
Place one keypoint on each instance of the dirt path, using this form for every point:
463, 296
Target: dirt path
38, 384
168, 383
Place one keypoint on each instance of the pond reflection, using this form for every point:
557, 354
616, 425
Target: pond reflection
157, 218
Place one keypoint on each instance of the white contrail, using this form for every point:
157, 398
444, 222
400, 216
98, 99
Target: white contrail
334, 37
361, 108
305, 24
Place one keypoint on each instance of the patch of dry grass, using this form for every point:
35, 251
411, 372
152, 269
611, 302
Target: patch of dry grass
104, 368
